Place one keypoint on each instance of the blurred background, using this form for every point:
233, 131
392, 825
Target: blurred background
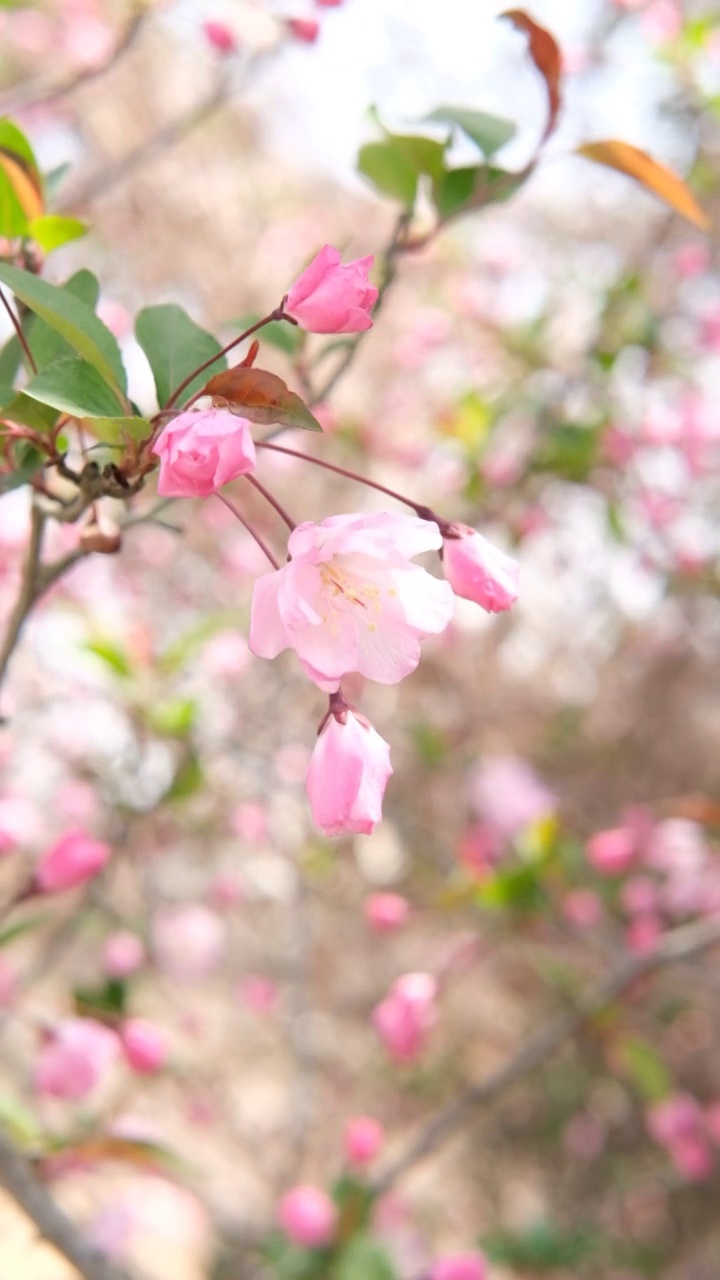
545, 368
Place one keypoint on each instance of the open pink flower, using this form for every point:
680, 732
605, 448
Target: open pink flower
74, 1058
331, 298
350, 599
347, 776
478, 571
75, 858
202, 450
405, 1018
308, 1216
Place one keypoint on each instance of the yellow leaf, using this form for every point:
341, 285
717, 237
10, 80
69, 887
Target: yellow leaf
24, 182
649, 173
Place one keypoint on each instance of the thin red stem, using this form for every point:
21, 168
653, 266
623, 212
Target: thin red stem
349, 475
253, 532
18, 329
273, 502
277, 314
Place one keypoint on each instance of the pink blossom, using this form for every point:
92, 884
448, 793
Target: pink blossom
123, 954
479, 849
459, 1266
386, 912
188, 940
305, 29
692, 1157
347, 776
639, 896
144, 1046
676, 1117
712, 1121
74, 1058
219, 36
582, 908
364, 1138
75, 858
225, 890
351, 600
677, 846
509, 795
612, 852
662, 20
249, 821
331, 298
19, 823
202, 450
478, 571
644, 933
328, 4
691, 259
308, 1216
259, 994
405, 1018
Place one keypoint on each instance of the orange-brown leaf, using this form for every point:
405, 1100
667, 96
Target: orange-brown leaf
650, 174
260, 396
24, 181
545, 53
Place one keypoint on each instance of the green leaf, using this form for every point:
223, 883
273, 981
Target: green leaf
455, 189
16, 407
111, 654
74, 386
389, 171
116, 431
642, 1065
46, 343
27, 460
52, 231
72, 319
425, 155
541, 1247
188, 780
489, 133
286, 337
568, 450
175, 345
19, 1122
363, 1259
110, 997
173, 718
13, 931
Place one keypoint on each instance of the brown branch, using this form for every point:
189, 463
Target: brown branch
28, 589
18, 1179
682, 944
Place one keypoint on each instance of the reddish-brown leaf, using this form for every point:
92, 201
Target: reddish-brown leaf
545, 53
650, 174
260, 396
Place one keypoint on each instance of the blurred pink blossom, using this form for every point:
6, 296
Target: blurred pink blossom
123, 954
678, 1116
74, 1058
662, 20
639, 896
259, 994
644, 933
509, 795
582, 908
584, 1137
303, 29
692, 1157
73, 859
364, 1138
459, 1266
405, 1018
219, 35
227, 655
188, 940
386, 912
691, 259
249, 820
612, 852
308, 1216
677, 845
330, 297
144, 1045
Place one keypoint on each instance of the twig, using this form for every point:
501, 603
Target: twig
20, 1182
28, 589
681, 944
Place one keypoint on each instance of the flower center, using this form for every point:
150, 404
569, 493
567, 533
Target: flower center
341, 587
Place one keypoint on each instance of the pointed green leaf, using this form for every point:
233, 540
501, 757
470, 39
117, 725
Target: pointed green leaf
454, 189
51, 231
489, 133
27, 460
74, 386
389, 171
22, 409
72, 319
175, 345
425, 155
119, 430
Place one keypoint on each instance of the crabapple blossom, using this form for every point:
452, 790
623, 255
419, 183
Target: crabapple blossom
219, 36
404, 1019
459, 1266
386, 912
188, 940
612, 852
351, 600
363, 1140
478, 571
347, 775
75, 1056
330, 297
305, 29
509, 795
72, 860
123, 954
144, 1046
308, 1216
202, 450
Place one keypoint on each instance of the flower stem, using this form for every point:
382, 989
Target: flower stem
252, 531
273, 501
18, 329
277, 314
424, 512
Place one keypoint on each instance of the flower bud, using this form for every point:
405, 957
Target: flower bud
75, 858
308, 1217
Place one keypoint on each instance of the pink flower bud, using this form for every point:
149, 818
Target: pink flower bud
405, 1018
612, 852
331, 298
478, 571
347, 776
460, 1266
582, 908
305, 29
123, 954
75, 858
202, 450
364, 1138
144, 1046
308, 1217
219, 36
188, 940
644, 934
386, 912
74, 1058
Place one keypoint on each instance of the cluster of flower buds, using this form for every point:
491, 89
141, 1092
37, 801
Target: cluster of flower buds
349, 598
